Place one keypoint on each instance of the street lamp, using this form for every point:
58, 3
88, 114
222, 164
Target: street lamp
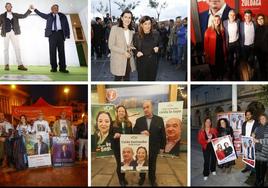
13, 86
66, 92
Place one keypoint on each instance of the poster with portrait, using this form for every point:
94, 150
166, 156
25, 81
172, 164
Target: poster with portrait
172, 112
63, 151
235, 119
38, 149
248, 151
224, 149
101, 123
134, 149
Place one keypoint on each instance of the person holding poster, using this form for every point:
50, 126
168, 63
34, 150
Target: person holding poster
224, 129
205, 135
260, 136
62, 126
152, 126
248, 128
40, 125
121, 125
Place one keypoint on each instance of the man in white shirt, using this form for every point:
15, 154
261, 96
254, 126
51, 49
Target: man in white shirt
247, 33
248, 128
9, 22
231, 28
40, 125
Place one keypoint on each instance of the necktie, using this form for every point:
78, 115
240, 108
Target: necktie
55, 23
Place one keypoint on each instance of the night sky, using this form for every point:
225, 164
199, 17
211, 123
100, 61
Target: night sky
54, 93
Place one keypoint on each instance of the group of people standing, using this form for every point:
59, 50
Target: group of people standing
250, 128
13, 151
234, 45
139, 47
150, 125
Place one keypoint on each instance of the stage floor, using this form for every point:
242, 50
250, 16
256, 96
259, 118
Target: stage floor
42, 73
76, 175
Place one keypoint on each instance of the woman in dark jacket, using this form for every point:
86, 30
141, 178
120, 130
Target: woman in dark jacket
260, 136
121, 125
261, 46
146, 42
224, 129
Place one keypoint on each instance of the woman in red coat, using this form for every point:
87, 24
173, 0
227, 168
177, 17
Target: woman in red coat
205, 135
220, 152
215, 48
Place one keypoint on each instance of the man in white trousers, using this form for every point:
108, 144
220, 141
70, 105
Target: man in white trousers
9, 22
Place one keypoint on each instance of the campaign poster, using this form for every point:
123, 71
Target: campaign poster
256, 6
63, 151
172, 112
235, 119
101, 124
248, 151
224, 149
134, 149
38, 150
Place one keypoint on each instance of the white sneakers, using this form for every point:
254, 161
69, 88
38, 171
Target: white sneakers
213, 173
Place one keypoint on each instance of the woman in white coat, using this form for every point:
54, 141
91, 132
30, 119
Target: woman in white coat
120, 44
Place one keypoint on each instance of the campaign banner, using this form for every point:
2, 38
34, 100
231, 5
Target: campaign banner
63, 151
224, 149
256, 6
172, 112
248, 151
101, 124
235, 119
38, 150
134, 149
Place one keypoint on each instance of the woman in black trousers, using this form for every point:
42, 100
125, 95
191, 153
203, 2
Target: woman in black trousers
260, 136
146, 42
121, 125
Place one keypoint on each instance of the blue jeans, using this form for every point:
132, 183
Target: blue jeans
175, 55
182, 52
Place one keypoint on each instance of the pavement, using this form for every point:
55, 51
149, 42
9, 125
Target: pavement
235, 178
169, 172
76, 175
100, 71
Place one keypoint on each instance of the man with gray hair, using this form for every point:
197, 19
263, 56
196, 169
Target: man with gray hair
152, 126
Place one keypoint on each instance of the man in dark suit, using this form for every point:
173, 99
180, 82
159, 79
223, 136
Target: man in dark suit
65, 153
40, 147
57, 30
250, 150
248, 127
152, 126
9, 21
216, 7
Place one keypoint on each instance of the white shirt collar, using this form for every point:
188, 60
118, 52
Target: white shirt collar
220, 12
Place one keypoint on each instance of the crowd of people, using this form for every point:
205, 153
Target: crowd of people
13, 151
131, 46
251, 128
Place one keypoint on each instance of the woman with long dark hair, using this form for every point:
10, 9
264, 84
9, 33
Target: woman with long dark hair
205, 135
146, 42
224, 129
121, 125
120, 45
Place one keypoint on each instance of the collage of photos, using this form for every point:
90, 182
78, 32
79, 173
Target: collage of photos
171, 92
